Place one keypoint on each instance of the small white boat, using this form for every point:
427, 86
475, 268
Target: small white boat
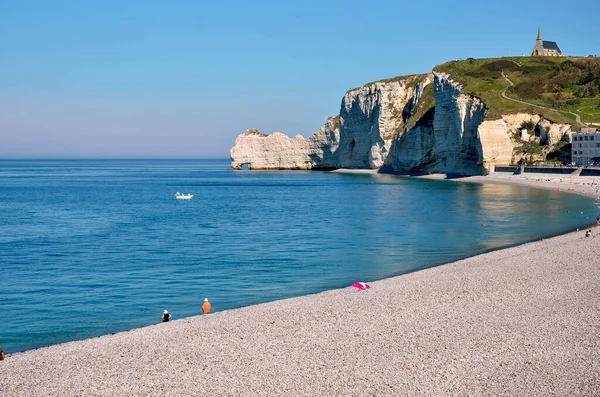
180, 196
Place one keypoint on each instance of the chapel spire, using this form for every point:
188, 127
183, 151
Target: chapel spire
545, 48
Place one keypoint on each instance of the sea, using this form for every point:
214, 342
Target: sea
93, 247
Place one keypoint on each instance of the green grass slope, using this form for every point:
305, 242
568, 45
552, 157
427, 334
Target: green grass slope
565, 86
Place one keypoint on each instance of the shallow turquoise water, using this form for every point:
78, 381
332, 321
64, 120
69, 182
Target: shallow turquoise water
94, 247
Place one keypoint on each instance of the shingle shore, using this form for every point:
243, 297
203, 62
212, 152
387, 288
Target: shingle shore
523, 321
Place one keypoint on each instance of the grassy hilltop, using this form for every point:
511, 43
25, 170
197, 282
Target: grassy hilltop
564, 86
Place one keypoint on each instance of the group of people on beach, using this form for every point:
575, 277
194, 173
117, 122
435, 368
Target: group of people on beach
205, 309
588, 233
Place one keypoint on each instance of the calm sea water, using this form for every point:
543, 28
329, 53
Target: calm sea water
93, 247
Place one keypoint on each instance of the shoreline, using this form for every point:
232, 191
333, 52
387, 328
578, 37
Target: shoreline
584, 185
525, 326
588, 186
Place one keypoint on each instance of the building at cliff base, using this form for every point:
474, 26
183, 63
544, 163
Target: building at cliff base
586, 146
545, 48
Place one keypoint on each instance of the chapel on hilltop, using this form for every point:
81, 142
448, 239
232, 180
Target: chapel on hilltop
545, 48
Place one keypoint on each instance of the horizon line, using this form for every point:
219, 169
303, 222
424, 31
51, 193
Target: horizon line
41, 158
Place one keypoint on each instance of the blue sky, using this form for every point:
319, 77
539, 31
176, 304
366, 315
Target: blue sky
185, 78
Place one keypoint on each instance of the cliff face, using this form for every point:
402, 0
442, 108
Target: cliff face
501, 139
456, 148
413, 149
360, 137
421, 123
278, 151
452, 137
372, 116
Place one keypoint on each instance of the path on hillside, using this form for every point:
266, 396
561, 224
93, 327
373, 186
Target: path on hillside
511, 84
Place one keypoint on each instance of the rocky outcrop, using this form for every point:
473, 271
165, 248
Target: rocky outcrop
372, 116
458, 139
360, 137
420, 123
553, 133
503, 140
457, 148
498, 140
413, 148
448, 138
277, 151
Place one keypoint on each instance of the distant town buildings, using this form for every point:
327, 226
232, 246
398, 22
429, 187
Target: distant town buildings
545, 48
585, 148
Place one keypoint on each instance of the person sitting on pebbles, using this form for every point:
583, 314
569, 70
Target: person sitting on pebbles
588, 233
166, 316
206, 306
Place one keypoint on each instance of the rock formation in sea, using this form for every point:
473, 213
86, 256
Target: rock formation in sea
277, 151
419, 123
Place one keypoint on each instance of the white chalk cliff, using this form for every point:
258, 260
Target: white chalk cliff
420, 123
277, 151
372, 116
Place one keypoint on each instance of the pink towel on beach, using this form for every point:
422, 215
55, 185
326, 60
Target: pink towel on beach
361, 286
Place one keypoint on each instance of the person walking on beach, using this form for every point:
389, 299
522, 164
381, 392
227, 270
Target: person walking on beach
1, 354
166, 316
206, 306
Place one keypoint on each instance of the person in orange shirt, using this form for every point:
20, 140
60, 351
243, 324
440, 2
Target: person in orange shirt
206, 306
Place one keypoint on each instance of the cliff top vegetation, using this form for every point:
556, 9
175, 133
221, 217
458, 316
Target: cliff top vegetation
563, 87
410, 80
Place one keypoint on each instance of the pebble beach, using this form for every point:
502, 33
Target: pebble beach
522, 321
